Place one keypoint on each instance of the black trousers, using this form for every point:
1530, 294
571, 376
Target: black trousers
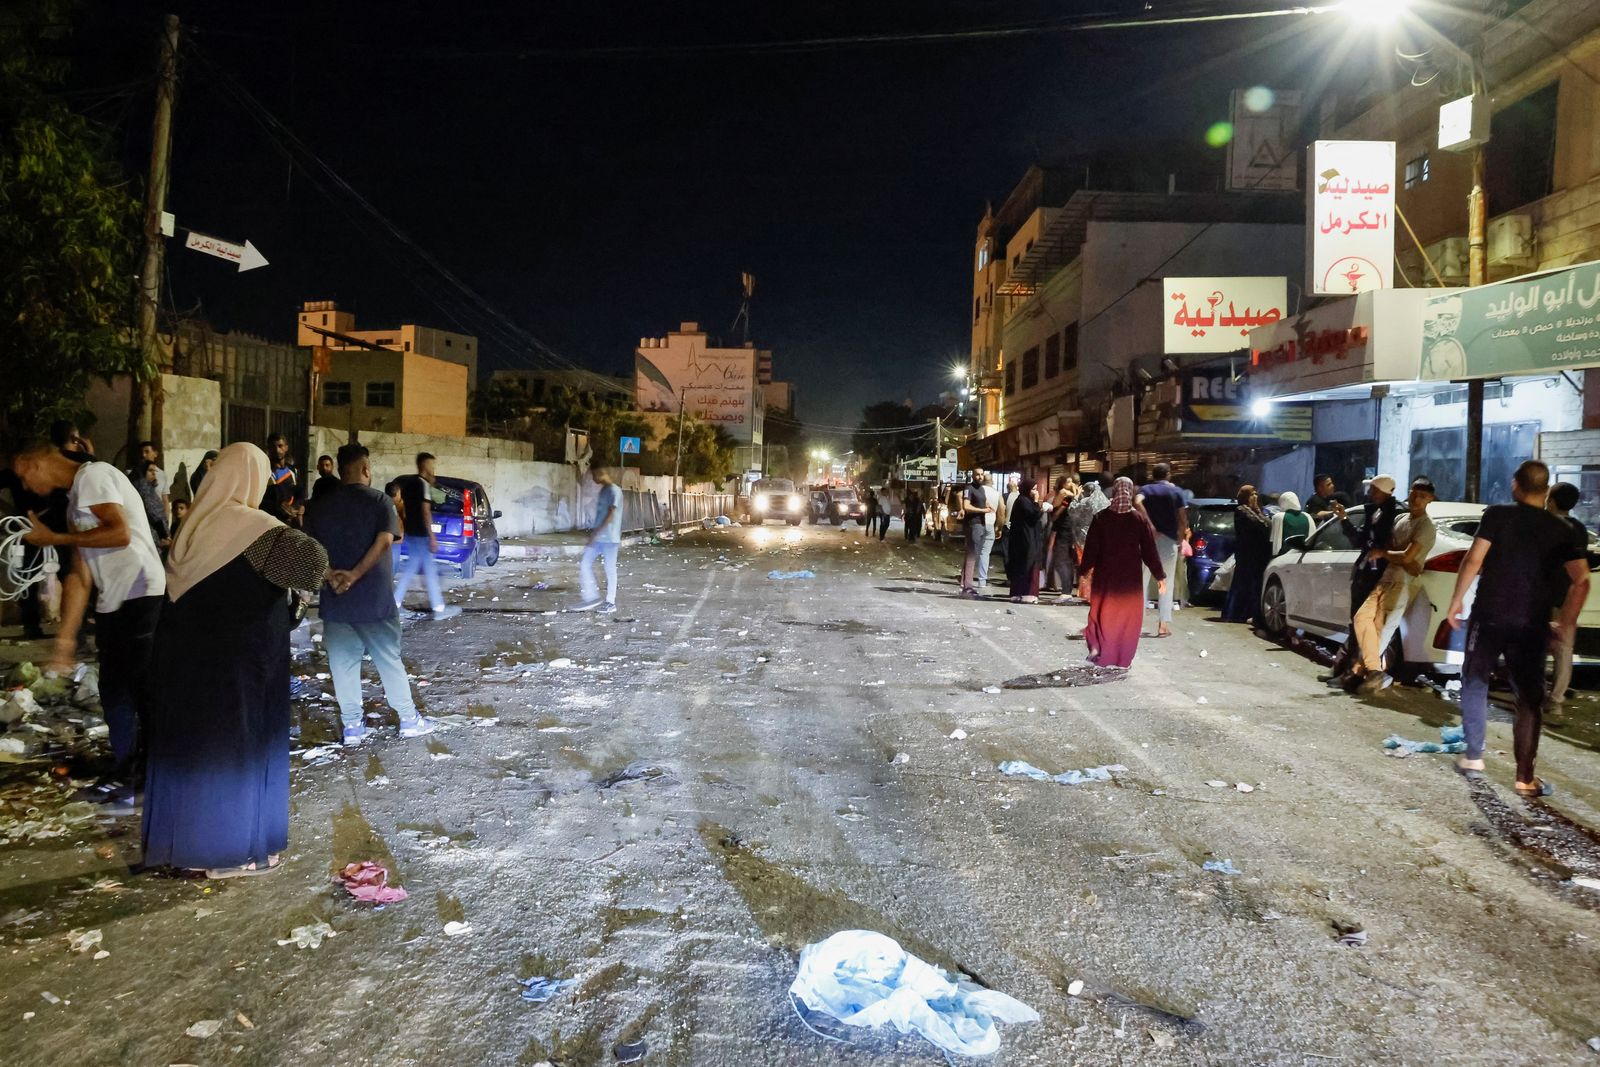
126, 639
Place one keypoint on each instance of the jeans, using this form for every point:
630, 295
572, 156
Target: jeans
1167, 549
1524, 650
588, 591
345, 643
126, 639
419, 557
975, 567
883, 525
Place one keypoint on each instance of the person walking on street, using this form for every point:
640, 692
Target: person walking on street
1290, 521
358, 526
885, 513
1520, 549
115, 555
1025, 550
217, 786
1002, 519
978, 504
1407, 551
1252, 550
605, 541
1563, 498
1324, 495
914, 511
1120, 545
1376, 532
1163, 504
417, 496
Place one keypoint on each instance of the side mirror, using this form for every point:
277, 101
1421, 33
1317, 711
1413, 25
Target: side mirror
496, 514
1293, 542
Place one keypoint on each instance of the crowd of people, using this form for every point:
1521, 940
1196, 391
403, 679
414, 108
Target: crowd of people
193, 602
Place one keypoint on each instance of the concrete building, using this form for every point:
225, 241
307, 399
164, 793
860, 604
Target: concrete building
715, 383
778, 398
317, 316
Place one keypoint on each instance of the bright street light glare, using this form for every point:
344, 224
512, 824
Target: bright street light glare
1380, 12
958, 371
1261, 408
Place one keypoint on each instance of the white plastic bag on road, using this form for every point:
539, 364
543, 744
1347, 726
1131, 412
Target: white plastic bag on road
864, 978
1222, 578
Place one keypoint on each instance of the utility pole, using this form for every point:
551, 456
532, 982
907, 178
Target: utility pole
144, 414
1477, 274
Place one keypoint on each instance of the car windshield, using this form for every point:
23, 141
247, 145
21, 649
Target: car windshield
844, 494
775, 485
1211, 521
453, 494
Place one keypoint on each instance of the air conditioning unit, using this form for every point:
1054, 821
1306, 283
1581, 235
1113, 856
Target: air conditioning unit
1449, 258
1511, 241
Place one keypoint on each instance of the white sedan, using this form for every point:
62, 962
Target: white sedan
1308, 588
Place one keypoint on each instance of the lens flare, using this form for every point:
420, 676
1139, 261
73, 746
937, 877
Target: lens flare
1259, 99
1219, 134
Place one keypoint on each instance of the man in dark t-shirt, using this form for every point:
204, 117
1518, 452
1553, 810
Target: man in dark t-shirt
1163, 504
357, 525
422, 545
1324, 496
1564, 497
1519, 550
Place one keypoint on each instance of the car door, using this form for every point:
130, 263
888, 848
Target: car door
1324, 571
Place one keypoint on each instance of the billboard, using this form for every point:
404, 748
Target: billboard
1350, 217
1216, 403
1217, 314
1527, 326
1262, 154
715, 385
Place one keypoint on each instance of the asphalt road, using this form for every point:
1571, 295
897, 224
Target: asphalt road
665, 804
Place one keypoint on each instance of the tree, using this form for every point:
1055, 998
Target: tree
783, 432
68, 225
889, 432
707, 451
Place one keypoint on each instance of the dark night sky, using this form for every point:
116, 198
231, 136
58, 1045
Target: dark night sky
596, 199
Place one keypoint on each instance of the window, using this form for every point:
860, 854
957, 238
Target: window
469, 346
1417, 171
384, 341
408, 346
983, 256
447, 342
1030, 367
1052, 356
380, 394
1011, 377
1069, 346
977, 309
336, 394
324, 320
1519, 164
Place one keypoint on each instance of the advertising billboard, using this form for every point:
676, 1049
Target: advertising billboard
1351, 217
1217, 314
715, 385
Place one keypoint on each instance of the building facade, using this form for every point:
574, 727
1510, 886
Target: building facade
321, 323
687, 370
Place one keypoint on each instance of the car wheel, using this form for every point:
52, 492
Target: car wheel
469, 565
794, 522
491, 555
1275, 610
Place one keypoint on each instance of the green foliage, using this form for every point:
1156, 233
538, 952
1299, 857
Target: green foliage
707, 451
68, 225
880, 450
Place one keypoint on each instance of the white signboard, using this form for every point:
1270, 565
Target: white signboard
1263, 153
715, 385
1351, 220
1217, 314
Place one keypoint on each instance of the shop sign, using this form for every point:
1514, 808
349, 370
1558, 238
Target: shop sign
1526, 326
1217, 314
1350, 225
1216, 404
1318, 346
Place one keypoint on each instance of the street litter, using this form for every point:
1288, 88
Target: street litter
1075, 987
1451, 739
631, 1052
540, 989
560, 663
50, 998
204, 1028
369, 882
1074, 777
785, 576
1217, 783
633, 772
1244, 787
1201, 700
456, 929
901, 757
309, 936
81, 941
1353, 938
958, 735
863, 978
1221, 867
1587, 883
991, 689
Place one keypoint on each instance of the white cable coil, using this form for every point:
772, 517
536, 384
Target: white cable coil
16, 577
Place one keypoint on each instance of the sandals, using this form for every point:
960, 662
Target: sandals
1471, 774
249, 870
1536, 788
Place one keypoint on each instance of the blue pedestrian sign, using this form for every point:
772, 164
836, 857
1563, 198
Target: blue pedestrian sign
630, 446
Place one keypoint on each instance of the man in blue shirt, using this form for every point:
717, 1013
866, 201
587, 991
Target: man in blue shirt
358, 526
605, 538
1163, 505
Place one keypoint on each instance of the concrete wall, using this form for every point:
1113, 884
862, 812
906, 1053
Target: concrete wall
191, 421
433, 399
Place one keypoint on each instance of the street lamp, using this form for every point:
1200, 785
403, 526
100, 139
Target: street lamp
1381, 12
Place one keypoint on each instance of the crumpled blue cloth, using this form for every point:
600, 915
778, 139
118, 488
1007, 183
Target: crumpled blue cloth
1088, 774
1220, 866
863, 978
1451, 739
784, 576
540, 989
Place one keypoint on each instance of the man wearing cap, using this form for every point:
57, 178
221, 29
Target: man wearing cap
1408, 550
1376, 532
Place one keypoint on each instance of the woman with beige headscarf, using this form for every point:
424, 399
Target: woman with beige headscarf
217, 784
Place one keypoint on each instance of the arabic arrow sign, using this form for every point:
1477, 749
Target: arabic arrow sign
246, 255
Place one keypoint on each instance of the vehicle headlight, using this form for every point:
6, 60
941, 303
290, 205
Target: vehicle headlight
842, 506
762, 501
796, 503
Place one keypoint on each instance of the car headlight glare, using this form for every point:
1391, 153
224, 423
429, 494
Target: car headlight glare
762, 501
796, 503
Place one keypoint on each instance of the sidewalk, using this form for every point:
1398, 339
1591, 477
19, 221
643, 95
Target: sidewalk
556, 545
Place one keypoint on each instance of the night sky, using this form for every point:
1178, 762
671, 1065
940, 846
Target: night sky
596, 198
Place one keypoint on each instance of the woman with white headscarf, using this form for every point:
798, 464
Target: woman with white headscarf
217, 784
1090, 501
1120, 545
1290, 520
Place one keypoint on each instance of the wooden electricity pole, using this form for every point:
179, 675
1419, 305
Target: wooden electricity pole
144, 420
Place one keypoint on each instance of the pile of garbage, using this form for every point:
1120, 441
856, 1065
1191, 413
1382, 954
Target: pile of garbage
45, 716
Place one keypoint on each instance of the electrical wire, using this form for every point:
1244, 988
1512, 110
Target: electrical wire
16, 576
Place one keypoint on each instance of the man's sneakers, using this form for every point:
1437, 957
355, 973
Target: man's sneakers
1372, 683
418, 727
608, 608
587, 605
354, 735
448, 611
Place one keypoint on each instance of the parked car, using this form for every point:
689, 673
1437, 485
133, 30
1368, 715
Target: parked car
775, 498
1308, 588
463, 524
1211, 519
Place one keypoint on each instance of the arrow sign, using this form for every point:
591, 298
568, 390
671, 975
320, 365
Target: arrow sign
246, 255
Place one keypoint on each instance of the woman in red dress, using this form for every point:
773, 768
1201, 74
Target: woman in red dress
1120, 544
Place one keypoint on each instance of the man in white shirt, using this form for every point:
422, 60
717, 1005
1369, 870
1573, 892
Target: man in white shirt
605, 541
114, 552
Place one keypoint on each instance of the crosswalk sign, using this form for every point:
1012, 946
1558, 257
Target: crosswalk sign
629, 446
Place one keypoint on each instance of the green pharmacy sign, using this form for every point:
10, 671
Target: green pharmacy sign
1538, 325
